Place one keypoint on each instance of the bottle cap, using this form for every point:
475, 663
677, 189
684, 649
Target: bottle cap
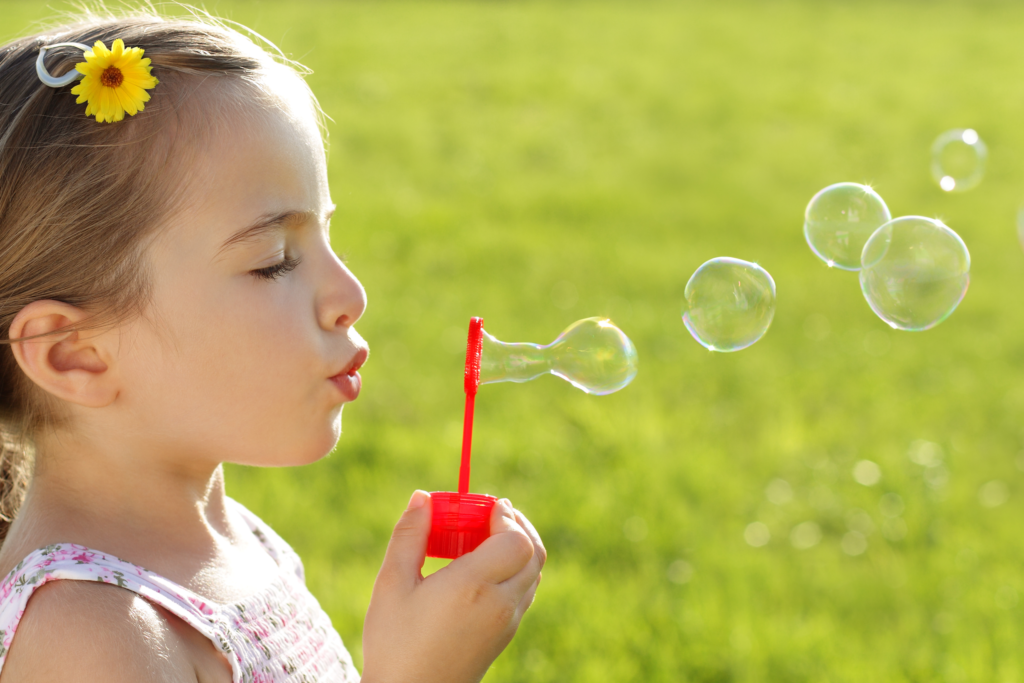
460, 522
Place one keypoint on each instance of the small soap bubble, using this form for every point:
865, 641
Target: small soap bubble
958, 160
854, 543
805, 535
591, 354
925, 453
915, 272
867, 473
993, 494
680, 572
779, 491
635, 529
729, 304
756, 534
936, 477
840, 219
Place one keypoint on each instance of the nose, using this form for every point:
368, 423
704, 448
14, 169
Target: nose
342, 299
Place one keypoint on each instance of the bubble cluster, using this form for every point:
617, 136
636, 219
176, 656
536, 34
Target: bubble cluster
591, 354
729, 304
840, 219
958, 160
914, 272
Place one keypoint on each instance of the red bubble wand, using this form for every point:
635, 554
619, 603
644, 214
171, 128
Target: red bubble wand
474, 347
462, 521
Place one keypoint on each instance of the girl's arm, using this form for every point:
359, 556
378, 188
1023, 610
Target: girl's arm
449, 626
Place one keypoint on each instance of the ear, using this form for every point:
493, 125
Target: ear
73, 366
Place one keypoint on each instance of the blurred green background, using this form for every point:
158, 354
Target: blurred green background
536, 163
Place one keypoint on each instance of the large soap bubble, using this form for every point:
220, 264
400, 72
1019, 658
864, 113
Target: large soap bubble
840, 219
729, 304
958, 160
591, 354
915, 272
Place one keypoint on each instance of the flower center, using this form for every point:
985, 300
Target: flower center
111, 77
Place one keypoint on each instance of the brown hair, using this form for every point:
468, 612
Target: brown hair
80, 199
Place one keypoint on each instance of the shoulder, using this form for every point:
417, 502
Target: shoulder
94, 632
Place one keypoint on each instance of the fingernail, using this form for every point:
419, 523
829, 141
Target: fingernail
507, 503
418, 500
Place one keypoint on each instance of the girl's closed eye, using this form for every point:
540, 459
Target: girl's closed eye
277, 270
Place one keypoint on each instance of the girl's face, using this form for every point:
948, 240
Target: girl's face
248, 351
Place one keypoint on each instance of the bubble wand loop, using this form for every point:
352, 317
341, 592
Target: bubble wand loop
474, 347
591, 354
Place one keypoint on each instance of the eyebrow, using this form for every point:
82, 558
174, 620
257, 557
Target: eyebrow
271, 222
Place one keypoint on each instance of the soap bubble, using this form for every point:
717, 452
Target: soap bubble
958, 160
757, 534
729, 304
840, 219
591, 354
915, 272
805, 535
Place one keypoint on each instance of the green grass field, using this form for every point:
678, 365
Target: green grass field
485, 154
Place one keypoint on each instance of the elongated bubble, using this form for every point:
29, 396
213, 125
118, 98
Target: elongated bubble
840, 219
591, 354
915, 272
958, 160
729, 304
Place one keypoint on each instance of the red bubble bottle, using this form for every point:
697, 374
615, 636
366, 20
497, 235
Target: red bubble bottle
462, 521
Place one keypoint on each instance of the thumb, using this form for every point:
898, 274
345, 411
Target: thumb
408, 545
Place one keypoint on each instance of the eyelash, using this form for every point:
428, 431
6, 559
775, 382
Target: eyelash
277, 270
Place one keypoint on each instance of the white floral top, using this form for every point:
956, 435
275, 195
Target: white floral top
278, 635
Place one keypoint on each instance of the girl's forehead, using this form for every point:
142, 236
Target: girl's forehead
256, 165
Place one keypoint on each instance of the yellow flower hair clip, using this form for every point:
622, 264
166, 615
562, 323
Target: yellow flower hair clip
114, 81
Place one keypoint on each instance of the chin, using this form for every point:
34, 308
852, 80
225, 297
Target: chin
298, 455
309, 447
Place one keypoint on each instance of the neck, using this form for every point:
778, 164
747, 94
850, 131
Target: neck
110, 499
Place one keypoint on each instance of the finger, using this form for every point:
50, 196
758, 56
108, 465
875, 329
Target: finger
540, 552
527, 600
505, 553
408, 545
526, 577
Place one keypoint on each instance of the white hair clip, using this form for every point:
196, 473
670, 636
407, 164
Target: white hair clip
57, 81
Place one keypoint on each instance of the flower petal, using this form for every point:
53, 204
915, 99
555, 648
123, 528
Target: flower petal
105, 105
131, 57
128, 103
88, 69
136, 93
100, 51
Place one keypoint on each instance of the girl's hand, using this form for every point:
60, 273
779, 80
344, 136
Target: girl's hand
449, 626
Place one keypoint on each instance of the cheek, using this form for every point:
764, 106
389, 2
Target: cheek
259, 344
244, 364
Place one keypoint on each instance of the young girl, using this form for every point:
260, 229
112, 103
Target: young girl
170, 301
